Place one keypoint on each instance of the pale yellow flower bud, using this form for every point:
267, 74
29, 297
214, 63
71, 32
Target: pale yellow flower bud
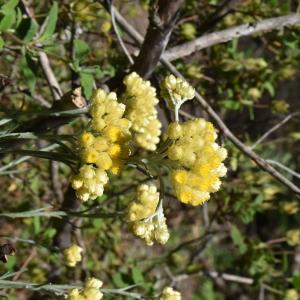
72, 255
293, 237
170, 294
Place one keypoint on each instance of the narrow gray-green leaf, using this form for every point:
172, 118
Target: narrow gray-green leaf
50, 23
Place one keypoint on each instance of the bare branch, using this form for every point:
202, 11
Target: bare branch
51, 79
223, 36
263, 164
162, 20
283, 167
116, 30
274, 128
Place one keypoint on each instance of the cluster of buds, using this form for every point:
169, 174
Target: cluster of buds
293, 237
72, 255
140, 99
146, 220
170, 294
291, 294
147, 198
89, 182
199, 159
103, 149
91, 291
176, 91
152, 229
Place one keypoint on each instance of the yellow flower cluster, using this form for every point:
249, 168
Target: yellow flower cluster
291, 294
170, 294
106, 111
140, 99
105, 148
154, 229
293, 237
176, 91
290, 207
146, 221
145, 204
89, 182
72, 255
91, 291
200, 160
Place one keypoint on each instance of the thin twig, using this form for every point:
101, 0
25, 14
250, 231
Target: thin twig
274, 128
51, 79
116, 30
262, 163
278, 164
223, 36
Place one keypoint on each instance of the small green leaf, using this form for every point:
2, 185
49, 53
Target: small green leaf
231, 104
9, 6
118, 280
36, 224
29, 70
7, 21
238, 239
81, 49
27, 29
269, 87
137, 275
2, 43
296, 280
87, 81
50, 23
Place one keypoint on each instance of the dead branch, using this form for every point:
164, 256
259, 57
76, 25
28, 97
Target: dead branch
226, 35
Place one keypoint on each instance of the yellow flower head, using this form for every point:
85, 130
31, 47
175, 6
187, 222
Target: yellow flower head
291, 294
91, 291
72, 255
293, 237
145, 203
176, 91
200, 158
170, 294
140, 99
89, 182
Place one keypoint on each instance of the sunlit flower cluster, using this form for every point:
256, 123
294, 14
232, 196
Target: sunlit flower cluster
170, 294
103, 149
145, 204
199, 159
152, 229
145, 218
176, 91
291, 294
91, 291
140, 99
72, 255
89, 182
293, 237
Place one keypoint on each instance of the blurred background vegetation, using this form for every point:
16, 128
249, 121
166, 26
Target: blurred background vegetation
234, 247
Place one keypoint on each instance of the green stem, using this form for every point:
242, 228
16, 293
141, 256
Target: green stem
62, 289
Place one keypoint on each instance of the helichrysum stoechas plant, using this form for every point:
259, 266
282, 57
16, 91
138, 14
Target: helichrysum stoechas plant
189, 152
91, 291
170, 294
72, 255
140, 99
145, 216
